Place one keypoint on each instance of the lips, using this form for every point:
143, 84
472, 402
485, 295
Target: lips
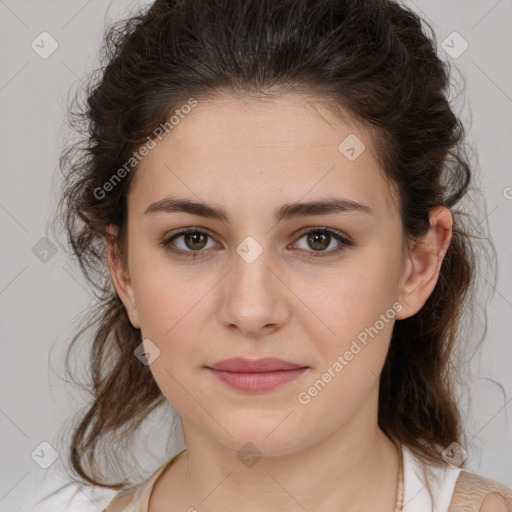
258, 375
266, 364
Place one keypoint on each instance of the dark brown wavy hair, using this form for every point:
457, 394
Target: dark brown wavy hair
371, 59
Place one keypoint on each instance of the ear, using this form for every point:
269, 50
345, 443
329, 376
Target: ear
121, 276
423, 263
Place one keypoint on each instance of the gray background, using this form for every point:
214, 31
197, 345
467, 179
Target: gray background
40, 300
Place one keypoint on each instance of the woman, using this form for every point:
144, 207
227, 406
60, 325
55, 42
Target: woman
274, 187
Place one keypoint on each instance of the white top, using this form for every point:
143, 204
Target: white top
441, 479
416, 496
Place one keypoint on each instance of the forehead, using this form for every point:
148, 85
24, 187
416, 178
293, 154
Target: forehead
283, 145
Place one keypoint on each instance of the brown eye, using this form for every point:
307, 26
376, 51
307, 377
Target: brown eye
320, 239
195, 240
192, 244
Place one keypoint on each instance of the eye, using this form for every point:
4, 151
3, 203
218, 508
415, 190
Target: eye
320, 239
195, 240
193, 243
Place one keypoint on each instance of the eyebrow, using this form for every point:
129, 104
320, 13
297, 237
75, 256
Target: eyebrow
284, 212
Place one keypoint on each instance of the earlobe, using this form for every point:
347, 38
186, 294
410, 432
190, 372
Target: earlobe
121, 277
423, 262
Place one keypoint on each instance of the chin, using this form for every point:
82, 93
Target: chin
259, 440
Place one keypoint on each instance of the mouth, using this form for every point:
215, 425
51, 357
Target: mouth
256, 375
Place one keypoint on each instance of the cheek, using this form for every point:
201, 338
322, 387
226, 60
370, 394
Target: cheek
173, 307
354, 297
169, 316
165, 296
355, 311
350, 360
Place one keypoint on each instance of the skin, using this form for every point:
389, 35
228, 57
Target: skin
250, 156
494, 502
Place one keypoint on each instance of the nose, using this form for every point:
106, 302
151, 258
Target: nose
254, 298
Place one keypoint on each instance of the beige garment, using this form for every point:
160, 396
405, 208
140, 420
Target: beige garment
136, 498
471, 491
469, 494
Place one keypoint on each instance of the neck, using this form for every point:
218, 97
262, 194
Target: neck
356, 466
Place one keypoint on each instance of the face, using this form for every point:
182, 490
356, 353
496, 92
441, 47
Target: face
320, 287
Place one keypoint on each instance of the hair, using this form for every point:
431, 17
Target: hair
370, 59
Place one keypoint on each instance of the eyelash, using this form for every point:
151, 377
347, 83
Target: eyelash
344, 242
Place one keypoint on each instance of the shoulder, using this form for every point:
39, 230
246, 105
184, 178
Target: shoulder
475, 493
136, 498
125, 500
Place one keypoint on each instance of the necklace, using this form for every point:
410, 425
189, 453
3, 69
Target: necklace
400, 487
